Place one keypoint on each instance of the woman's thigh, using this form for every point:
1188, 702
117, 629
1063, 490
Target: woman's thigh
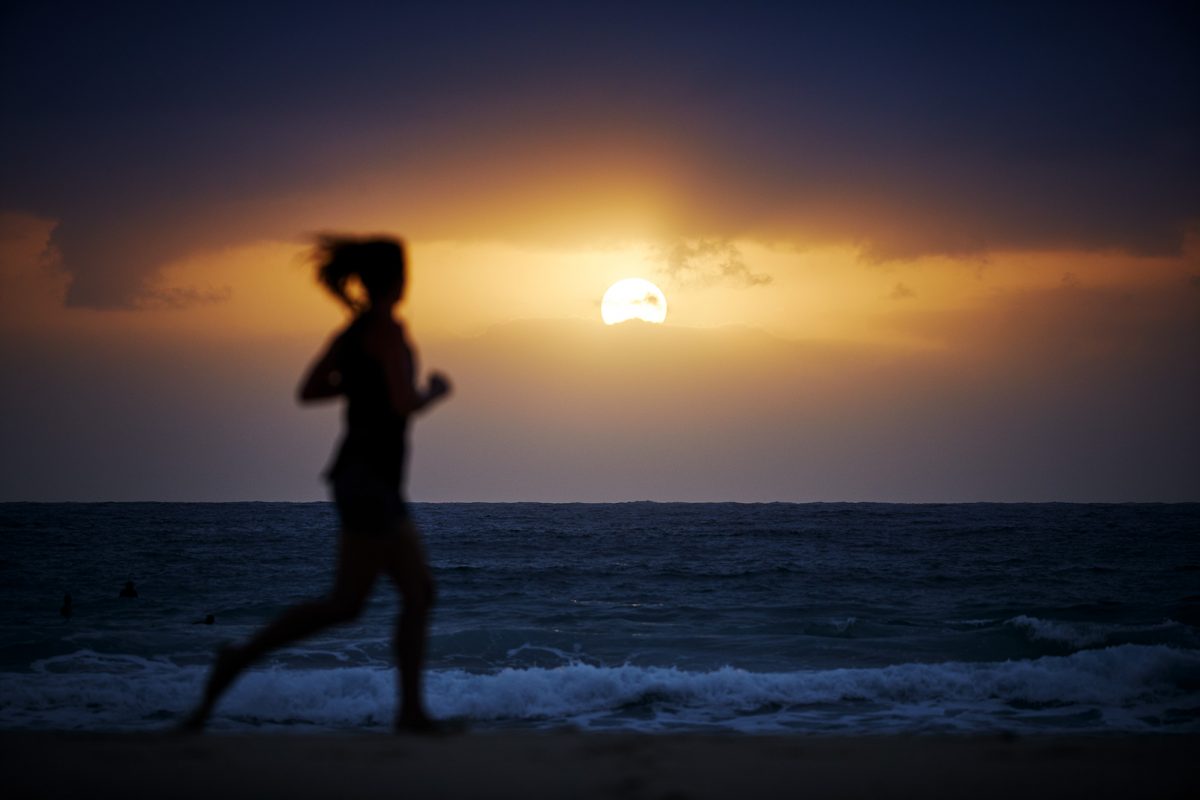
360, 560
406, 564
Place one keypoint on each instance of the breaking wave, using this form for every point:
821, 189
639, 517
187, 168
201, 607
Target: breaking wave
1129, 687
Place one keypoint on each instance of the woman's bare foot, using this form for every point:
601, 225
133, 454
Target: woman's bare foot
421, 724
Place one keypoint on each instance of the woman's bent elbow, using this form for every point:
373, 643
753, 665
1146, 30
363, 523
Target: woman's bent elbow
306, 395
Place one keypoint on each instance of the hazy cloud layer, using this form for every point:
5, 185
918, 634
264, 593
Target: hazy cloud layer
1071, 393
181, 297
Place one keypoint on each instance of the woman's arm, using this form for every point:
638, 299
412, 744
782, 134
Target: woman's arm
436, 389
404, 396
323, 380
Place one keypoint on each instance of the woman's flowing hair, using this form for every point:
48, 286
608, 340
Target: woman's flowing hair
377, 262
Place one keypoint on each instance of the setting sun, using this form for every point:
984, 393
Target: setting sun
633, 298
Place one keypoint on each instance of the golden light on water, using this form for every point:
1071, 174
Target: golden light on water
633, 298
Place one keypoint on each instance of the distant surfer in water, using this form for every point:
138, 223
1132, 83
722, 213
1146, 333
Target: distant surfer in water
372, 365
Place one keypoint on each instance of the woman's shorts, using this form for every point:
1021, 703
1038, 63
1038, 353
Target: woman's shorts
367, 505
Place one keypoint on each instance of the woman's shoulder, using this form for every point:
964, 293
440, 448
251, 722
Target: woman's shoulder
349, 335
380, 336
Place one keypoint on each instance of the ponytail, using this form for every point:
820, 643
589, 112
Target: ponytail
377, 263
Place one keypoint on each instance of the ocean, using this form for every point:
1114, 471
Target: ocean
825, 618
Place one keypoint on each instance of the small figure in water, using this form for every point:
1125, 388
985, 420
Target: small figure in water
129, 590
371, 364
66, 609
209, 619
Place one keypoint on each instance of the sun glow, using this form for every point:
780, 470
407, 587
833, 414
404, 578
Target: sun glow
633, 298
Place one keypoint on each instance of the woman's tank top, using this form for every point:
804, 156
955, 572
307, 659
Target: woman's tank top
376, 437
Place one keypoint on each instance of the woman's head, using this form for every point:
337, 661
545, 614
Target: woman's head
377, 262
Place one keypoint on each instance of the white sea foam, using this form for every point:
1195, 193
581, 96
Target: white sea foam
1082, 634
1129, 688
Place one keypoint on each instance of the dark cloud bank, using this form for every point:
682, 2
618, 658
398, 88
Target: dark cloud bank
907, 129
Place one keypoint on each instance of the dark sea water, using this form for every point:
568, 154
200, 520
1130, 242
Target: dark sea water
814, 618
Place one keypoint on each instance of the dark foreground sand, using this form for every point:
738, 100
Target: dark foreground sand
575, 765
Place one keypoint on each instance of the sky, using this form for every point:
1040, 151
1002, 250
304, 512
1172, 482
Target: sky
911, 252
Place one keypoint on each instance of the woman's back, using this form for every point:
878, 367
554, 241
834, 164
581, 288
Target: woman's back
375, 438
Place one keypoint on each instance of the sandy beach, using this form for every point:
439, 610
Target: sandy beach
574, 765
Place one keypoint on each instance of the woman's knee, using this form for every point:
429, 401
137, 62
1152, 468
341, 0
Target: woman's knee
345, 609
419, 597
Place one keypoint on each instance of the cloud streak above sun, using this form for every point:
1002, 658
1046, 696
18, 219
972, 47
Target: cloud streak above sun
708, 262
